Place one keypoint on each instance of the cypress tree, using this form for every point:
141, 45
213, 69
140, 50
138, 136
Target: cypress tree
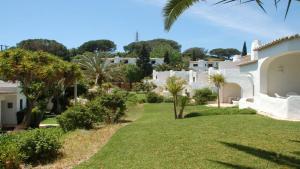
143, 61
244, 51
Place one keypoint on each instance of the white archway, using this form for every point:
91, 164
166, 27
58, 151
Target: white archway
230, 92
280, 75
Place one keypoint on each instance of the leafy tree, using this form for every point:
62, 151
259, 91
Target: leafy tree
143, 62
133, 74
195, 53
50, 46
225, 53
155, 43
39, 74
218, 80
97, 45
244, 51
93, 66
174, 8
175, 85
167, 58
116, 73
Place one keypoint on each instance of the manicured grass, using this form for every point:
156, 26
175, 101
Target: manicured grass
49, 120
210, 138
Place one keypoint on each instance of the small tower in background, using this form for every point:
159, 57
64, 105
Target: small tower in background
136, 36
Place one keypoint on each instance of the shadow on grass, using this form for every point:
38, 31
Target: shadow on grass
271, 156
295, 141
212, 113
125, 121
234, 166
297, 153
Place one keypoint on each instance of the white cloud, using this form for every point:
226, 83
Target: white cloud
243, 18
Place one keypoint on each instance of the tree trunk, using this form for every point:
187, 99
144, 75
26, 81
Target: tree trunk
27, 117
218, 97
175, 109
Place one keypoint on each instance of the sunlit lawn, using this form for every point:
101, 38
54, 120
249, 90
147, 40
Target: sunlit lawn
211, 139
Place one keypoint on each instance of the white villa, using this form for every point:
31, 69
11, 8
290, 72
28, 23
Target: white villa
12, 101
267, 80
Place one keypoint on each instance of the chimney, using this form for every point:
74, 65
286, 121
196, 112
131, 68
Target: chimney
254, 54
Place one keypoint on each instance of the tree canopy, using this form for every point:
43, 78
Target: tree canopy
195, 53
244, 51
97, 45
151, 44
143, 61
225, 53
39, 74
50, 46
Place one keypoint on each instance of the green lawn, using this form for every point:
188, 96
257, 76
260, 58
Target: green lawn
49, 120
210, 139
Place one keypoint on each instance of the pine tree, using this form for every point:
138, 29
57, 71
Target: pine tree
143, 62
244, 51
167, 58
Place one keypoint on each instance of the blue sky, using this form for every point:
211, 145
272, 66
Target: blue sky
73, 22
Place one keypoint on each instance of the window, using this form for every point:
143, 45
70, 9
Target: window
9, 105
195, 65
21, 104
125, 61
153, 61
194, 79
210, 65
156, 77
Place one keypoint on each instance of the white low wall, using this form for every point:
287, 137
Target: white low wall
279, 108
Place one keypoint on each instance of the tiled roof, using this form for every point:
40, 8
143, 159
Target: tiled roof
277, 41
246, 60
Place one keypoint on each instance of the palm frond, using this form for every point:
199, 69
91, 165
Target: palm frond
174, 8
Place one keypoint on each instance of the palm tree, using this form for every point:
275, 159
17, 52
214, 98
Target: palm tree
93, 66
218, 80
174, 8
175, 85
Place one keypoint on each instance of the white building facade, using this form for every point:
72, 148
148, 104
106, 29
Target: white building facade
11, 101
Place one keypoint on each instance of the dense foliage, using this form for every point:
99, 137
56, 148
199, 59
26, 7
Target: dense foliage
40, 75
202, 96
50, 46
32, 146
76, 117
195, 53
143, 62
152, 97
97, 45
225, 53
155, 43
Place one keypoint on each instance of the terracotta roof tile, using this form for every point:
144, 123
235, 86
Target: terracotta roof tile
277, 41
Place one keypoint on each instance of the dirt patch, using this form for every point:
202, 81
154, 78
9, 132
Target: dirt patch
80, 145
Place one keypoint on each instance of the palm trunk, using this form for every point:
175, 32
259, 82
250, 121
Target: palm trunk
175, 103
218, 97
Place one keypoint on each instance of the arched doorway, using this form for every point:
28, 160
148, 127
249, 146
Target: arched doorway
230, 92
280, 75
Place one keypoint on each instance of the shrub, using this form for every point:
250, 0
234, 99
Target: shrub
39, 145
33, 146
132, 98
10, 156
168, 99
154, 98
143, 86
111, 107
76, 117
202, 96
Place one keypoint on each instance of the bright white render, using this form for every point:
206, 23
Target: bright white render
11, 101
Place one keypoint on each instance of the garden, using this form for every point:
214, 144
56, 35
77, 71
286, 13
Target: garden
108, 116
